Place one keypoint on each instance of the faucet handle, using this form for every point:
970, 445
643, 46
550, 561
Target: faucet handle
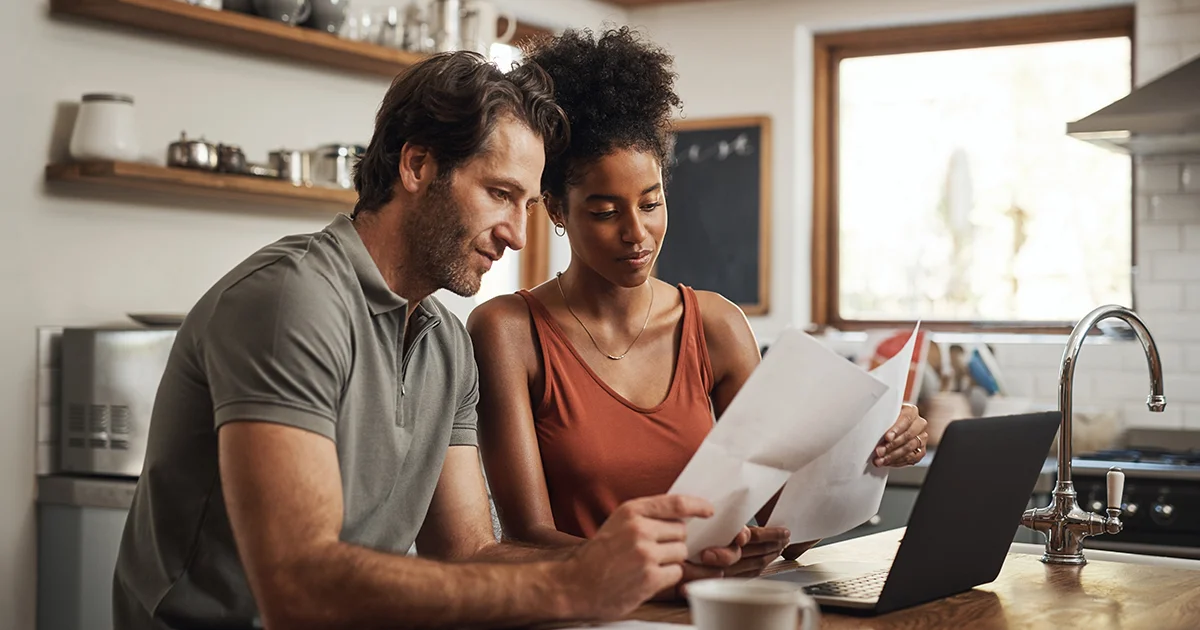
1116, 488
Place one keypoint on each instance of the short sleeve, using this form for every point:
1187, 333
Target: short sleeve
465, 430
277, 349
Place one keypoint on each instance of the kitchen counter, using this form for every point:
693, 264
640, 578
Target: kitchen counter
914, 476
1027, 594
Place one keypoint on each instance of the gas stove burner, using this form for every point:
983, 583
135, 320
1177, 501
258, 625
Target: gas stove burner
1147, 455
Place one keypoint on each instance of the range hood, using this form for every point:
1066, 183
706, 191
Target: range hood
1159, 118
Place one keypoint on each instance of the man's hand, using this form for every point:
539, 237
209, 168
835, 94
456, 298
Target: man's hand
904, 442
638, 552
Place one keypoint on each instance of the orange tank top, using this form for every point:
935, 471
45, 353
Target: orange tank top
598, 449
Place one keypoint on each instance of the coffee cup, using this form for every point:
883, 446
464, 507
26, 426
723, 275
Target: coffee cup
750, 604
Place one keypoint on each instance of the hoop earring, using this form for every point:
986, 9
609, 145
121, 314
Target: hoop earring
560, 229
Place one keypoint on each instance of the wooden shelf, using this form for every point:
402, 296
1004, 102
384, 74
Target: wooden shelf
242, 188
238, 30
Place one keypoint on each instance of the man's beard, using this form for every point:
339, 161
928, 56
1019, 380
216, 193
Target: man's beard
438, 242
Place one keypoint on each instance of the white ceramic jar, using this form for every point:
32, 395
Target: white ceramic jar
104, 129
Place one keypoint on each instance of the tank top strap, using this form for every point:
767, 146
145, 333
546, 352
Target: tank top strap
693, 330
551, 345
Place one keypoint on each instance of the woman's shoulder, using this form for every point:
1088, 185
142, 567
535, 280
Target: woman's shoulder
717, 311
503, 313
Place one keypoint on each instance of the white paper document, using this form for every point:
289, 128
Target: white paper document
842, 488
797, 404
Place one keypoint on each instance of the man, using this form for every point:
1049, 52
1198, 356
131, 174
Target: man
316, 417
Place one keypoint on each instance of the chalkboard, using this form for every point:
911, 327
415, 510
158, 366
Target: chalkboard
718, 196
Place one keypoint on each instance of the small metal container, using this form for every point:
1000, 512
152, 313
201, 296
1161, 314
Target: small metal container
188, 153
231, 159
333, 164
293, 165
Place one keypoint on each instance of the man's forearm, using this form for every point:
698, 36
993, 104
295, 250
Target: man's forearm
545, 545
349, 586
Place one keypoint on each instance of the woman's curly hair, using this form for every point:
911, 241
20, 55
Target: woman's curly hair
618, 93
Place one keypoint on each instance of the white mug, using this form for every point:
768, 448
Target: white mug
750, 604
480, 20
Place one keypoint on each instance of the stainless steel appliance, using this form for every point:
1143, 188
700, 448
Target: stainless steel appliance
1161, 501
109, 379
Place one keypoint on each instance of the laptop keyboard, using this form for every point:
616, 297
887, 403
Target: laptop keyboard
867, 586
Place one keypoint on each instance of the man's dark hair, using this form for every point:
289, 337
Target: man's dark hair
451, 103
618, 93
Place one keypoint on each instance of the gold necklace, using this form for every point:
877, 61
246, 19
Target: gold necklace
558, 281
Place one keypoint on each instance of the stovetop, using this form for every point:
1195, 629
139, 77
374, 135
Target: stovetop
1147, 455
1141, 462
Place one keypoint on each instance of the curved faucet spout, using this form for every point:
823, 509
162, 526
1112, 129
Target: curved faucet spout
1155, 401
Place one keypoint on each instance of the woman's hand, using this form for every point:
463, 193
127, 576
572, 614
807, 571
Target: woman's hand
763, 548
713, 563
904, 442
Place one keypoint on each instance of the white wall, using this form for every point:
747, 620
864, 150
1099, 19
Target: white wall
83, 259
755, 57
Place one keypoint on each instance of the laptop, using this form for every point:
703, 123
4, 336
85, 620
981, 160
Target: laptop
961, 526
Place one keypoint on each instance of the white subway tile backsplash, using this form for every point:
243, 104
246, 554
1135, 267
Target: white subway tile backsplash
1192, 296
1172, 356
1171, 328
1160, 296
1191, 177
1136, 415
1181, 386
1158, 238
1192, 354
1120, 387
1191, 237
1033, 355
1180, 208
1191, 417
1174, 266
1159, 178
1018, 384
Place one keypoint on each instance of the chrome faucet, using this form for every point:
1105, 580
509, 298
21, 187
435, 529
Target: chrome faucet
1063, 522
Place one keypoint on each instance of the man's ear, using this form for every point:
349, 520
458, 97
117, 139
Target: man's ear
417, 167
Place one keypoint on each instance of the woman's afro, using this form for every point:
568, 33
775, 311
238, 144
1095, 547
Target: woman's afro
617, 91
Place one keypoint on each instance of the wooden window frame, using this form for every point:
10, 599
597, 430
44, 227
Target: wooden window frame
830, 49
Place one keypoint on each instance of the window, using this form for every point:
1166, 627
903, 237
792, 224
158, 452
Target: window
946, 188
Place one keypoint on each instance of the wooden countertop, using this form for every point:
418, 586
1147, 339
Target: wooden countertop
1027, 594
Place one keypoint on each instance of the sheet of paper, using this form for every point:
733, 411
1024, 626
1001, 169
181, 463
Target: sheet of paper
799, 402
842, 489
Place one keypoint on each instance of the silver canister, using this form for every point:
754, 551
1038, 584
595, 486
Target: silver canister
333, 164
445, 23
293, 165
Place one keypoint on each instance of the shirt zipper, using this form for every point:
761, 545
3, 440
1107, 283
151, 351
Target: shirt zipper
411, 348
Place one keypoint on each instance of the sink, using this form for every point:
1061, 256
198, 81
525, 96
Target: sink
1116, 556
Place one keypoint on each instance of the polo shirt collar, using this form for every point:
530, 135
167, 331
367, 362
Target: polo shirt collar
380, 296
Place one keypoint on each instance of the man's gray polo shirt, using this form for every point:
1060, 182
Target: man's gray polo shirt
305, 332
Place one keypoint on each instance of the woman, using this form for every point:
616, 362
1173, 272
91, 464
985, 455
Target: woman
599, 385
